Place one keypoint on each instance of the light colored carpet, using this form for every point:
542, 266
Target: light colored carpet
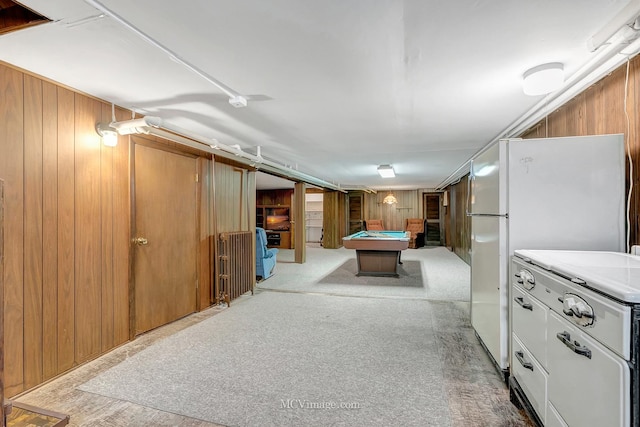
306, 356
432, 273
284, 359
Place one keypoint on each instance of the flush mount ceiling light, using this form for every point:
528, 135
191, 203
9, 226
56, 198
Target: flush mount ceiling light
108, 134
543, 79
386, 171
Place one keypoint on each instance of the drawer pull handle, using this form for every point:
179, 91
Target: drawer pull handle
526, 365
523, 304
565, 338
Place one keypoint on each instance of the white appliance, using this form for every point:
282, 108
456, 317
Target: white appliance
575, 342
552, 193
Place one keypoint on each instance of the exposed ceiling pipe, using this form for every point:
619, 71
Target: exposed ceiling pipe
235, 99
150, 125
622, 46
627, 16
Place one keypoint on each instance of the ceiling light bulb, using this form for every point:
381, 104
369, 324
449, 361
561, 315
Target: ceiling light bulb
386, 171
108, 134
543, 79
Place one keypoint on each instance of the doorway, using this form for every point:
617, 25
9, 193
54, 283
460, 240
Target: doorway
356, 212
313, 217
165, 236
434, 234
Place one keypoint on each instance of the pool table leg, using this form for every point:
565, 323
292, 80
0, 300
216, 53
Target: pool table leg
399, 257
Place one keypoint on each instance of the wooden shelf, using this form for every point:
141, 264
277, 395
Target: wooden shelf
274, 214
278, 239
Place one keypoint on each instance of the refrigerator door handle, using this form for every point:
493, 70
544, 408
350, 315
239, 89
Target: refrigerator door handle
469, 189
491, 215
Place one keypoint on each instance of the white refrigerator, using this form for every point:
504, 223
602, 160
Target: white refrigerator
551, 193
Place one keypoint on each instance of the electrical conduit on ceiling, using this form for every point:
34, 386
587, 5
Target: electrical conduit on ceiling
151, 125
621, 47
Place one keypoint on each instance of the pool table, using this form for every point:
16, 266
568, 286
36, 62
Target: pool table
378, 252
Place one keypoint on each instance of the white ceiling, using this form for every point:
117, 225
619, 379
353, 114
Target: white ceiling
335, 87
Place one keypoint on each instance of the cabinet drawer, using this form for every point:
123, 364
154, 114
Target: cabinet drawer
530, 375
529, 322
588, 383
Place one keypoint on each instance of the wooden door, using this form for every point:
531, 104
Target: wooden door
433, 234
165, 243
2, 414
356, 210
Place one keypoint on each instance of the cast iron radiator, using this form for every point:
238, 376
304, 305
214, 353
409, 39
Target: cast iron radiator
236, 263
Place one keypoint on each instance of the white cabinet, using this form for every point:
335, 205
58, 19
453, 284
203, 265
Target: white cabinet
567, 350
529, 347
529, 316
531, 376
581, 366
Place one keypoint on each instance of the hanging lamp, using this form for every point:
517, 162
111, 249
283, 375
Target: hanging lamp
390, 199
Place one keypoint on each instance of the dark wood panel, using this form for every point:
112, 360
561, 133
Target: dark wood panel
594, 100
49, 230
32, 231
432, 206
355, 206
66, 225
614, 118
331, 220
2, 406
106, 233
205, 232
88, 244
299, 235
11, 170
228, 194
121, 236
461, 243
576, 123
14, 17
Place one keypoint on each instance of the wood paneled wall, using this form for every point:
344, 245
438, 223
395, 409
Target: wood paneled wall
334, 218
598, 110
409, 206
2, 414
67, 224
236, 195
66, 230
459, 222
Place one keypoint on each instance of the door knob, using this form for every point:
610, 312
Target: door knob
140, 241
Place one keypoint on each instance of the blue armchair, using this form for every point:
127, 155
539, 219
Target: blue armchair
265, 257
